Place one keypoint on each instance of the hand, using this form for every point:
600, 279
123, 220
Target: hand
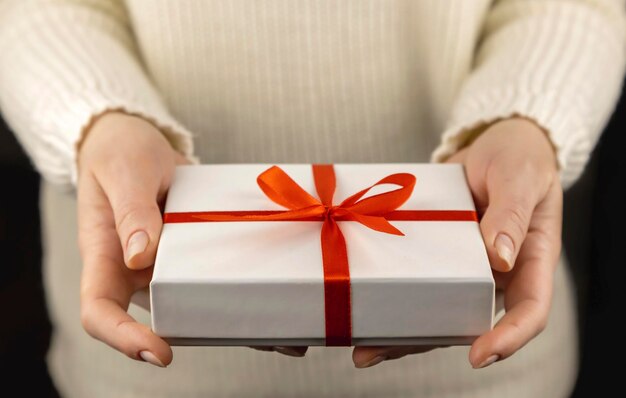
125, 169
512, 172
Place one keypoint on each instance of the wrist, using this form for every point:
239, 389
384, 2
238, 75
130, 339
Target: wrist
531, 136
115, 132
514, 136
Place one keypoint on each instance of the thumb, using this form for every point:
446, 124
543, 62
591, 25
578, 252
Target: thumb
138, 220
505, 223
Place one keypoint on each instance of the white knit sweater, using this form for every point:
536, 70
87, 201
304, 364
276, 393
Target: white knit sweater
296, 76
301, 81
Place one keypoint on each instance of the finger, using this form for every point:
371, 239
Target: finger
294, 351
365, 357
513, 196
518, 326
132, 190
106, 320
107, 285
529, 291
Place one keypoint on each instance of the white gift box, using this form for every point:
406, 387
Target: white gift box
262, 282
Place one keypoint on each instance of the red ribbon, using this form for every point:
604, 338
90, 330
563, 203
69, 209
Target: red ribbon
373, 212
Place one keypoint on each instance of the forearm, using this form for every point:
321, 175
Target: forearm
65, 62
558, 63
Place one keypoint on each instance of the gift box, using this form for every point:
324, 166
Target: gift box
298, 254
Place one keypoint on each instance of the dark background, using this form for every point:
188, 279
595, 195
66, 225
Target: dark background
25, 328
594, 238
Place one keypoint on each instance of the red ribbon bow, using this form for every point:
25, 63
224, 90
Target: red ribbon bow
373, 212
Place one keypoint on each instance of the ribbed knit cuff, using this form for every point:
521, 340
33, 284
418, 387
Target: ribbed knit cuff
70, 117
552, 112
63, 65
557, 63
79, 120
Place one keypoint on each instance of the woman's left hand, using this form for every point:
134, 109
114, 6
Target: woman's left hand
512, 172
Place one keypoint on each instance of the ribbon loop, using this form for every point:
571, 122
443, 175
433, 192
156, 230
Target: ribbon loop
325, 182
280, 188
385, 202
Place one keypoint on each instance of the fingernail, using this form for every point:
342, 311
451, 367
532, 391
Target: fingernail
289, 351
504, 247
488, 361
151, 358
137, 243
371, 362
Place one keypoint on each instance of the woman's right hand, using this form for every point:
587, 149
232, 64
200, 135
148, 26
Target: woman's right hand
125, 169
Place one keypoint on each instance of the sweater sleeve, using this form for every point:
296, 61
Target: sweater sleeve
64, 62
557, 62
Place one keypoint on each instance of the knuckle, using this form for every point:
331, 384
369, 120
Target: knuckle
86, 321
124, 328
541, 326
516, 326
542, 323
518, 217
133, 213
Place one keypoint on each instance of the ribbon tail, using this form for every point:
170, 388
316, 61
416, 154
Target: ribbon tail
337, 291
379, 224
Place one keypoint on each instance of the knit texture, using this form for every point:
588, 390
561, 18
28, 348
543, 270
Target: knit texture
303, 81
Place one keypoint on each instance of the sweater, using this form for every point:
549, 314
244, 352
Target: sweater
304, 81
310, 80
